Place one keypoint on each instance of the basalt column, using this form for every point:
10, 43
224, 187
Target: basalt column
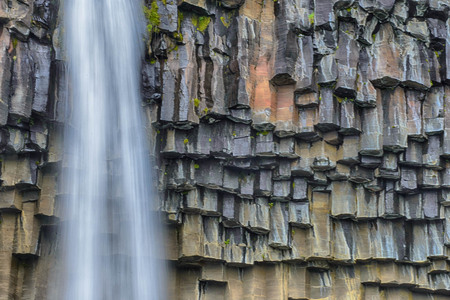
302, 147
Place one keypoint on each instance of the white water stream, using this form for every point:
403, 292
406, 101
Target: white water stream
111, 238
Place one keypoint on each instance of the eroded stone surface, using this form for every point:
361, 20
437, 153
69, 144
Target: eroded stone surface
302, 147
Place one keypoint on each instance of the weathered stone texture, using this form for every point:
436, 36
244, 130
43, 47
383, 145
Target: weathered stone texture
302, 147
341, 158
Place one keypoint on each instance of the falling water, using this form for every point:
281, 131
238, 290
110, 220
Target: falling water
111, 239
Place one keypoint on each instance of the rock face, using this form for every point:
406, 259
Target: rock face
301, 147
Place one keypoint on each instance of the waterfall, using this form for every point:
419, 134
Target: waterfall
111, 235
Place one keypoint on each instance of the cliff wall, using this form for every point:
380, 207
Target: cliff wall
302, 147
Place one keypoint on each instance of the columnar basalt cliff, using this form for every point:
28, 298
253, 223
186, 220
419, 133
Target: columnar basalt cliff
302, 146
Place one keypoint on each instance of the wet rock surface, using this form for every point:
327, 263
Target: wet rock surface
301, 147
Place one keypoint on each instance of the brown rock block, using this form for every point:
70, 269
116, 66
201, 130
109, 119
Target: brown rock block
301, 246
172, 205
302, 167
366, 203
371, 292
299, 214
343, 199
260, 68
386, 68
235, 248
320, 208
201, 200
343, 245
212, 247
287, 148
348, 151
415, 63
365, 248
7, 281
286, 114
48, 184
322, 155
192, 237
346, 283
27, 231
10, 199
320, 284
297, 282
332, 138
18, 170
188, 283
308, 118
418, 250
173, 142
385, 247
389, 167
307, 100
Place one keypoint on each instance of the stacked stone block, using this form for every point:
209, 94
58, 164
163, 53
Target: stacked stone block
33, 91
303, 148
